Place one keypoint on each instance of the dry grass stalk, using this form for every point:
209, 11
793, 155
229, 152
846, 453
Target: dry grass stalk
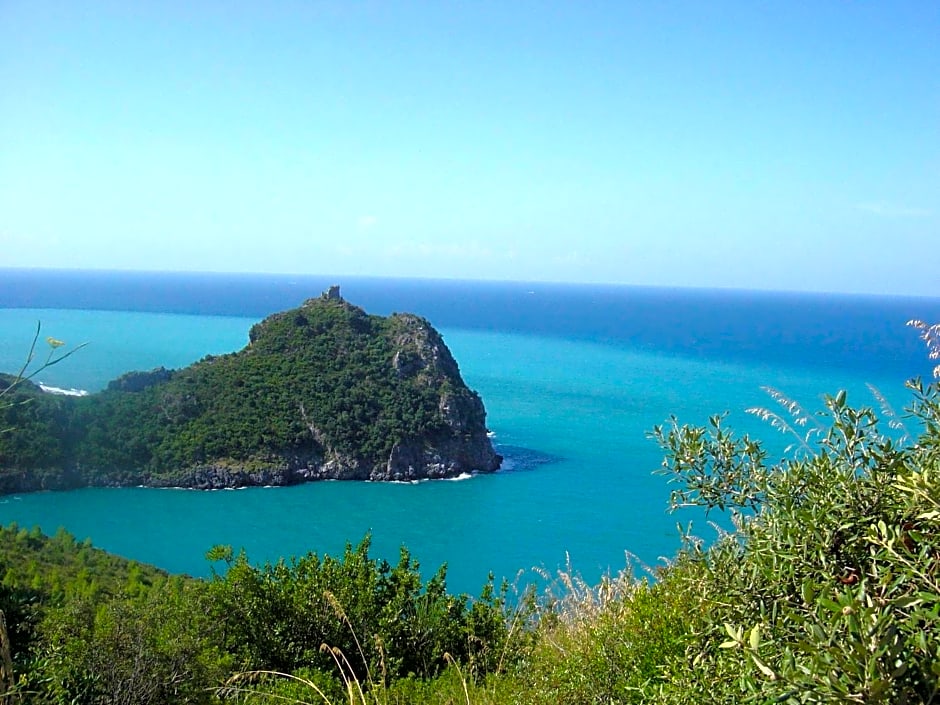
233, 687
795, 411
894, 420
341, 613
463, 680
930, 334
575, 601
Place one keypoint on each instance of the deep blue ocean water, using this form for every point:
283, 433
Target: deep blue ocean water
572, 376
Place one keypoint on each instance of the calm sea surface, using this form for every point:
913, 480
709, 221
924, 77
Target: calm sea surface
572, 378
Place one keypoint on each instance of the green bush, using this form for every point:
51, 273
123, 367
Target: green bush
385, 621
828, 589
158, 650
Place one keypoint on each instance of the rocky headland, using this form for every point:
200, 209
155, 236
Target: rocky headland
323, 391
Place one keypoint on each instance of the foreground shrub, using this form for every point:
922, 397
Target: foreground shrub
827, 591
155, 650
385, 621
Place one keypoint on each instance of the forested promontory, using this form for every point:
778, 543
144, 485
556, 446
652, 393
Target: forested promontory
323, 391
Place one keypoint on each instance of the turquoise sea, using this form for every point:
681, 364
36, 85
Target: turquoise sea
569, 399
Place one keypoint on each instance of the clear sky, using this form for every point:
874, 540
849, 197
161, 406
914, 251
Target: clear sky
776, 145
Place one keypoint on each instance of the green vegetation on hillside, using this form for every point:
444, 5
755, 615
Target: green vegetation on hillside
89, 627
58, 568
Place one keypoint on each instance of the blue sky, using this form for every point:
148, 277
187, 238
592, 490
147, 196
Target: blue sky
773, 145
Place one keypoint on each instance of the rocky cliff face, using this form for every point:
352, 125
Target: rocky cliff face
462, 445
324, 391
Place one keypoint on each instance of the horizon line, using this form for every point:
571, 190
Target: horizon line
467, 280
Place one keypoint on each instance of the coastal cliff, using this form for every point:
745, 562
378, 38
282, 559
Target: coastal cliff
323, 391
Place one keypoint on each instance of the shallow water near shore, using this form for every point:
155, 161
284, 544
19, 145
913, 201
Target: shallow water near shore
570, 415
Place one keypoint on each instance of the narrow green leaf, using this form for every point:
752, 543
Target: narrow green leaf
763, 668
755, 637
